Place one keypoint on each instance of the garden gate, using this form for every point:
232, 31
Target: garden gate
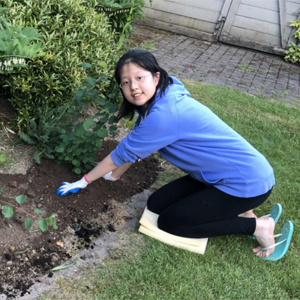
255, 24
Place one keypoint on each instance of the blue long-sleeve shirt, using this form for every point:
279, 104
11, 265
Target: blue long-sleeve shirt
189, 135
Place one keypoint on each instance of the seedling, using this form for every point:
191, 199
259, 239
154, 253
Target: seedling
7, 210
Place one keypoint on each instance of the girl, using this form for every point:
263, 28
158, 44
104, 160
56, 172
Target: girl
226, 176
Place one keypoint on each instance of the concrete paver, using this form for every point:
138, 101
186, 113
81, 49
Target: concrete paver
250, 71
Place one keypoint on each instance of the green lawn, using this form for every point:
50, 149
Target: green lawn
143, 268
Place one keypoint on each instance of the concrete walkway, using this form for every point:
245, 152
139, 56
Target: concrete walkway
250, 71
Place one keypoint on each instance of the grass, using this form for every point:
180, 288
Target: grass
6, 158
246, 68
143, 268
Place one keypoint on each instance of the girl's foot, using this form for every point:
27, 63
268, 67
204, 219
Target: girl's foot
264, 234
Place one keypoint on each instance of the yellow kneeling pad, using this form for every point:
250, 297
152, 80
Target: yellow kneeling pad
149, 227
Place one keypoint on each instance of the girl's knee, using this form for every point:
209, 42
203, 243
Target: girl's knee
152, 204
166, 225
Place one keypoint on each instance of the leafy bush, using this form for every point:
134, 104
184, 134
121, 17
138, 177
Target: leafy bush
293, 54
71, 34
59, 135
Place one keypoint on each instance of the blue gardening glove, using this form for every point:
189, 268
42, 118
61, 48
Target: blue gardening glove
108, 177
74, 187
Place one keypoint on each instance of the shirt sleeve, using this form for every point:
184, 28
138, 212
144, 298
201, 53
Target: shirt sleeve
155, 132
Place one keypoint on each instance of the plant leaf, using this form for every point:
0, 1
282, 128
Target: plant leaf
51, 221
90, 81
79, 94
86, 65
102, 133
88, 124
7, 211
38, 211
64, 267
26, 138
28, 223
60, 149
103, 64
43, 225
21, 199
77, 170
76, 162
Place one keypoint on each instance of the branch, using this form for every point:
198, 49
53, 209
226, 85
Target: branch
18, 208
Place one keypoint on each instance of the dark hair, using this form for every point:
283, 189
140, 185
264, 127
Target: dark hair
145, 60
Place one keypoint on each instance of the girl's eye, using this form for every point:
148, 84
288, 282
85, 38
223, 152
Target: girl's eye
139, 78
125, 83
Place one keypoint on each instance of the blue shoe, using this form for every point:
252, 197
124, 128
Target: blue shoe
275, 214
281, 247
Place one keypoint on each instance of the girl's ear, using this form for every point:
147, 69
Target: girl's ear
157, 76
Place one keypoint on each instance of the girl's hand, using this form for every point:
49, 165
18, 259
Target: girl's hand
109, 177
74, 187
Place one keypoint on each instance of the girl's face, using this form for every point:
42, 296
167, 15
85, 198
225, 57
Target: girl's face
138, 85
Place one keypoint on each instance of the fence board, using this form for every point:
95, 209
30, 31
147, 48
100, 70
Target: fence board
215, 5
255, 37
258, 13
291, 7
182, 10
268, 4
256, 25
183, 21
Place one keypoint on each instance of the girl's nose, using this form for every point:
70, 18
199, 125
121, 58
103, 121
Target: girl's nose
133, 85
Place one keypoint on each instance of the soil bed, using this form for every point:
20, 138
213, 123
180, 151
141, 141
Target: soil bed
78, 218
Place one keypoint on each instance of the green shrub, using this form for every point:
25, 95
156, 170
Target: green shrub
71, 34
60, 135
293, 54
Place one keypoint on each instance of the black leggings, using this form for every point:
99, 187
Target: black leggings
189, 208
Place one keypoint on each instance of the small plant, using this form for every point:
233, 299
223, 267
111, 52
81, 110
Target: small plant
293, 54
7, 210
245, 68
121, 13
2, 158
17, 44
3, 152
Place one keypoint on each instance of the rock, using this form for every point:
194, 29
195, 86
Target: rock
13, 184
31, 194
54, 257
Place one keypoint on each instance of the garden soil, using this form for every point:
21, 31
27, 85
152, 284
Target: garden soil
82, 217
